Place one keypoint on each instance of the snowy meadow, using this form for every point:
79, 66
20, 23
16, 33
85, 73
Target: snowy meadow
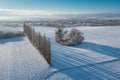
97, 58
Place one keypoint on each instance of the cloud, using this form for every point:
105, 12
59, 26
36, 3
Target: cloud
12, 12
6, 14
24, 14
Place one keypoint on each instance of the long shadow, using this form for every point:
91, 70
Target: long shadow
65, 59
3, 41
68, 57
85, 72
102, 49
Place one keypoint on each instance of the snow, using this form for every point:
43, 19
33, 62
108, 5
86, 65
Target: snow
98, 58
103, 35
19, 60
93, 60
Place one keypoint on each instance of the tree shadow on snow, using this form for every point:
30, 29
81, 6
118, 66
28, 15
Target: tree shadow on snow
66, 59
65, 56
3, 41
102, 49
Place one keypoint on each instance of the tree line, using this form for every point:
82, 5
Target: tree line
42, 43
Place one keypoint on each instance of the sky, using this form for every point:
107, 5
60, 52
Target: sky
48, 7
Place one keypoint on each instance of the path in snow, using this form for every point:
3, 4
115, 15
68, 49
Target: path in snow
19, 60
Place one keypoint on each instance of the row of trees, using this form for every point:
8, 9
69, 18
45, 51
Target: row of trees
40, 42
10, 34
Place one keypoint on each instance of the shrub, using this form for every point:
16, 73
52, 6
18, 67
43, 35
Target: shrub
74, 37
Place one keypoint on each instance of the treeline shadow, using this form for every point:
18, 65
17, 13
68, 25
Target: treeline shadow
65, 56
102, 49
7, 40
66, 60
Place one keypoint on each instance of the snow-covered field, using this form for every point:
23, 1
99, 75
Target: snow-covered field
19, 60
98, 58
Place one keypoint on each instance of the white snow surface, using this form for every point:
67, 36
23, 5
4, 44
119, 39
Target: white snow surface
98, 58
19, 60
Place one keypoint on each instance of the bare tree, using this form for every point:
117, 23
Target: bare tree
42, 43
